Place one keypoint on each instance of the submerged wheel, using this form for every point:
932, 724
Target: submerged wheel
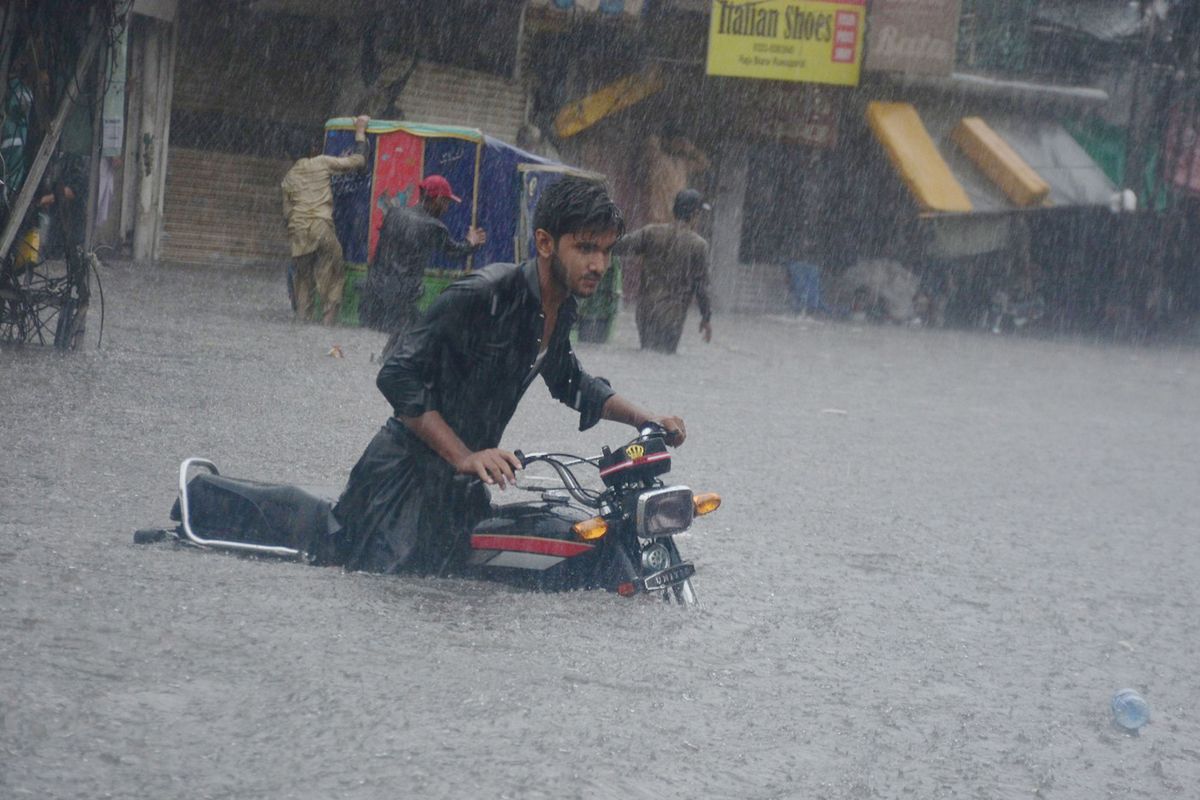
77, 291
684, 594
68, 332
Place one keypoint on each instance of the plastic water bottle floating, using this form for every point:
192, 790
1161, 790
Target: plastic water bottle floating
1130, 709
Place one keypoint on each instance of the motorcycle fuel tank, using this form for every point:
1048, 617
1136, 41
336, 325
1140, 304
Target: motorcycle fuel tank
528, 536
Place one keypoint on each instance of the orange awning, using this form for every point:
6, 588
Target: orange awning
579, 115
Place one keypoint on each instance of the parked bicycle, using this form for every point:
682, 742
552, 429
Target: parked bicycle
47, 301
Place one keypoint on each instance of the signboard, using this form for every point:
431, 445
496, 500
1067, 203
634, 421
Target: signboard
917, 36
811, 41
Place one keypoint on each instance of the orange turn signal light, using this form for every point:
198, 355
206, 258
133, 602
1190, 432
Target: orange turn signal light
706, 503
590, 529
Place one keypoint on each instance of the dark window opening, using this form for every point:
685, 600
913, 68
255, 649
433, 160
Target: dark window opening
786, 209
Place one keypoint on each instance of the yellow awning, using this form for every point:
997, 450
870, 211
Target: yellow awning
579, 115
987, 150
899, 129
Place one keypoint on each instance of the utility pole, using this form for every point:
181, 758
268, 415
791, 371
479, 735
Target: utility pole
1143, 84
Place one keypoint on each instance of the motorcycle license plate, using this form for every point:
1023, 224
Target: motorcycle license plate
668, 577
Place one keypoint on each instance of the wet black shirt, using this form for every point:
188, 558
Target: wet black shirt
471, 357
408, 241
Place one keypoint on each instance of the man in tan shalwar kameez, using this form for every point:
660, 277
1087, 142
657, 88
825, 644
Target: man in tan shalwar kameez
308, 209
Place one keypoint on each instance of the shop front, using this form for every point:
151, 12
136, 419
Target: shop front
249, 78
985, 206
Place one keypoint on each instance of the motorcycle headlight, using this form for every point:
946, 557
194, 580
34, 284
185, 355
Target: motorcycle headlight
663, 512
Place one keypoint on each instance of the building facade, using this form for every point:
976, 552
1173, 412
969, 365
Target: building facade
215, 89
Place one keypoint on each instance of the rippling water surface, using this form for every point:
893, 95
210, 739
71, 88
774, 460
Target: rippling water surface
939, 555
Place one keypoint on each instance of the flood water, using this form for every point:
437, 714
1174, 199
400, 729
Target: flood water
940, 553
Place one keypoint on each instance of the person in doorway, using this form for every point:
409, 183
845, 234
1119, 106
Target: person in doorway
61, 199
671, 161
804, 287
408, 240
457, 377
674, 269
1017, 301
308, 210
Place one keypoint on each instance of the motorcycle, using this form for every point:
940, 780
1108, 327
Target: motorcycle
620, 538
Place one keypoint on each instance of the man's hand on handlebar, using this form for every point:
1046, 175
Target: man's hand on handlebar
675, 429
618, 409
494, 467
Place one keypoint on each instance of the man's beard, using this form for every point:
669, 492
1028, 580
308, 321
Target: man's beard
558, 270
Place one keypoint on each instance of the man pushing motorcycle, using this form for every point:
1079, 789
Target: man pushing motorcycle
455, 380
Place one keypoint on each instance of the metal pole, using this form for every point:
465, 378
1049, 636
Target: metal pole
38, 167
1135, 143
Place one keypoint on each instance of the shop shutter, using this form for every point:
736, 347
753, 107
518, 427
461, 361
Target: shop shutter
223, 208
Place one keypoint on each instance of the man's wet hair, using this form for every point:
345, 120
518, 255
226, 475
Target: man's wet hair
577, 204
687, 205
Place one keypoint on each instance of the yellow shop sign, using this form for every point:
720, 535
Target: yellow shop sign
814, 41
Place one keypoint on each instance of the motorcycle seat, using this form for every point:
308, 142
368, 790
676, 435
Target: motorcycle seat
243, 510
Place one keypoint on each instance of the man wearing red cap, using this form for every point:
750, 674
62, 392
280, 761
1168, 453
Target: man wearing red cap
408, 240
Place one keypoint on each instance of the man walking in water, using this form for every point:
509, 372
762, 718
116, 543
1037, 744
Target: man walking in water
674, 268
308, 210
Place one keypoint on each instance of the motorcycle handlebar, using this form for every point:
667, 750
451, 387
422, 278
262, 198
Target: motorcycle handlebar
563, 468
649, 428
570, 482
646, 430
